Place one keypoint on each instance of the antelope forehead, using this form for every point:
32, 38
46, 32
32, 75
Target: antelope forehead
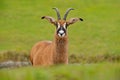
63, 25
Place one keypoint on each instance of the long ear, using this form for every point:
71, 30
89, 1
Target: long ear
50, 19
73, 20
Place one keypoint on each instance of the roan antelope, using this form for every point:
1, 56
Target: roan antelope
53, 52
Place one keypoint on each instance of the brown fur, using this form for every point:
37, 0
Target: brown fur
61, 50
49, 53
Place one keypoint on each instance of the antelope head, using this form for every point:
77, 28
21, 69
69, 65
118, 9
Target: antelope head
61, 24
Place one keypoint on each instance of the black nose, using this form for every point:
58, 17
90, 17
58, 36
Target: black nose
61, 34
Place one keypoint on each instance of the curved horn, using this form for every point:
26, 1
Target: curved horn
58, 13
65, 16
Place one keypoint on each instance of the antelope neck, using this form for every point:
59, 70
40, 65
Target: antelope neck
60, 46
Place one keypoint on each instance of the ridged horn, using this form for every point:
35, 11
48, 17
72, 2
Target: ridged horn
65, 16
58, 13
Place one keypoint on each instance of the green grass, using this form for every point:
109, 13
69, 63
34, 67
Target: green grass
95, 40
68, 72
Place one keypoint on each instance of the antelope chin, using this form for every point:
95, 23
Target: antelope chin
61, 35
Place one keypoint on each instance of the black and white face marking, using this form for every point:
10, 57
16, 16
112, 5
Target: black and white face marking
61, 30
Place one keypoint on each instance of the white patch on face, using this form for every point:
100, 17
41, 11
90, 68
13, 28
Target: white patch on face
64, 25
58, 25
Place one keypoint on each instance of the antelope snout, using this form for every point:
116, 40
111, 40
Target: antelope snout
61, 33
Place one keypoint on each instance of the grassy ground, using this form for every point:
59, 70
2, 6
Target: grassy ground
96, 40
69, 72
73, 58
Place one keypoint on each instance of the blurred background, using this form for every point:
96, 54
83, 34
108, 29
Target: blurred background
95, 40
21, 25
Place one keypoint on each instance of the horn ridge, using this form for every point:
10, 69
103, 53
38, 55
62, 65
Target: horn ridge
65, 15
58, 13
